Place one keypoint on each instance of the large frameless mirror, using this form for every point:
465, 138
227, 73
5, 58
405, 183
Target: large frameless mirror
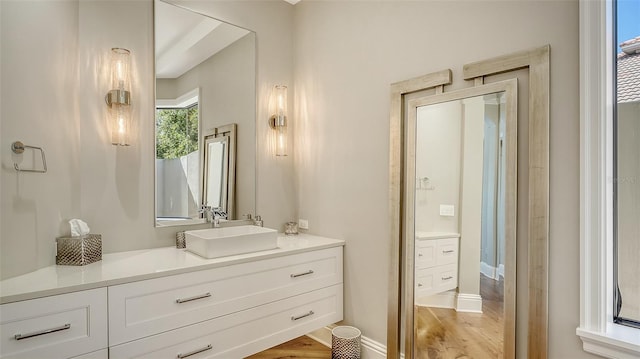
205, 116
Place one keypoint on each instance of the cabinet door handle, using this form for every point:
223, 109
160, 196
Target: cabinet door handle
419, 254
419, 284
301, 274
447, 278
448, 251
201, 296
41, 332
208, 347
303, 315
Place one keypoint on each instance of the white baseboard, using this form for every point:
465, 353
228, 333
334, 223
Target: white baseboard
491, 271
370, 348
471, 303
440, 300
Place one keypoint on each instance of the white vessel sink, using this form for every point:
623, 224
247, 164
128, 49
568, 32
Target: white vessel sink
228, 241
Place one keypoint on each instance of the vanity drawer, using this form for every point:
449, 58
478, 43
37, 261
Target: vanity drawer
140, 309
59, 326
445, 278
425, 282
435, 280
243, 333
425, 253
447, 251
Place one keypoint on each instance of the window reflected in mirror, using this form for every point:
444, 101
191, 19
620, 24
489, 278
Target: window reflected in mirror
177, 161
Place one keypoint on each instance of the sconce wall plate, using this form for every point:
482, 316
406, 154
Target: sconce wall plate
276, 121
120, 97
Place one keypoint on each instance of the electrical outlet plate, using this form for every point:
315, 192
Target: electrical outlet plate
303, 224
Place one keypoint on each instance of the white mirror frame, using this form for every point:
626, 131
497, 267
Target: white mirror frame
537, 62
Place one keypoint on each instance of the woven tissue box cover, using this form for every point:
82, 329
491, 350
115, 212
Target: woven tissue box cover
79, 251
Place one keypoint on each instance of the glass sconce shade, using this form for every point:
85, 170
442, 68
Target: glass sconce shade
119, 97
278, 121
120, 63
120, 124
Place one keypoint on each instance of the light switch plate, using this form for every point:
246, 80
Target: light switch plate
447, 210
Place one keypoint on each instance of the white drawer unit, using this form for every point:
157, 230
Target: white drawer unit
144, 308
60, 326
243, 333
436, 268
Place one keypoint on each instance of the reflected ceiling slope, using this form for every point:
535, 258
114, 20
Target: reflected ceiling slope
184, 39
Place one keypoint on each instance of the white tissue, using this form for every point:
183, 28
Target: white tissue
78, 227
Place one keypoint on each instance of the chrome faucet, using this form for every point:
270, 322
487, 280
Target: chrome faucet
213, 215
207, 213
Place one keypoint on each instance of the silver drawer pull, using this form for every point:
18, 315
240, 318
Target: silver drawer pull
208, 347
41, 332
447, 278
184, 300
448, 251
419, 254
419, 284
301, 274
303, 316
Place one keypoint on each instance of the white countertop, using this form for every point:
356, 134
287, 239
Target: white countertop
125, 267
436, 235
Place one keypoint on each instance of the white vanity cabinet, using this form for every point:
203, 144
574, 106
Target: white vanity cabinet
60, 326
242, 333
436, 258
169, 303
141, 309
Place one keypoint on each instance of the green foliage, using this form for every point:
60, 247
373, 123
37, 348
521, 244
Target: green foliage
176, 132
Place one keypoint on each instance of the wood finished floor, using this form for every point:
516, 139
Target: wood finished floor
299, 348
446, 334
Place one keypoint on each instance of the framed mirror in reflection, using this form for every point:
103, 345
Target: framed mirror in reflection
463, 175
205, 117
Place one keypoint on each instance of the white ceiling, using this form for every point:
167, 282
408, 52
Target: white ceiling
184, 39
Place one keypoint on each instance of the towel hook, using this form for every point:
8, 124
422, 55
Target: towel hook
18, 148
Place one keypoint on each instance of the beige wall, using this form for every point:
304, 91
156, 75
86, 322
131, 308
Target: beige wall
39, 106
54, 81
347, 54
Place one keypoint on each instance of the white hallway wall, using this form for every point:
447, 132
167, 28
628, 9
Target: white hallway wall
346, 56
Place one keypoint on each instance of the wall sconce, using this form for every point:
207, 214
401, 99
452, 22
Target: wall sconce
119, 98
278, 121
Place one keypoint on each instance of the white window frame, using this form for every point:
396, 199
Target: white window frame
598, 332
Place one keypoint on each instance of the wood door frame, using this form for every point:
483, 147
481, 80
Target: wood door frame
537, 62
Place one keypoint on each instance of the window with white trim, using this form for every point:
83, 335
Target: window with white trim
610, 183
626, 160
